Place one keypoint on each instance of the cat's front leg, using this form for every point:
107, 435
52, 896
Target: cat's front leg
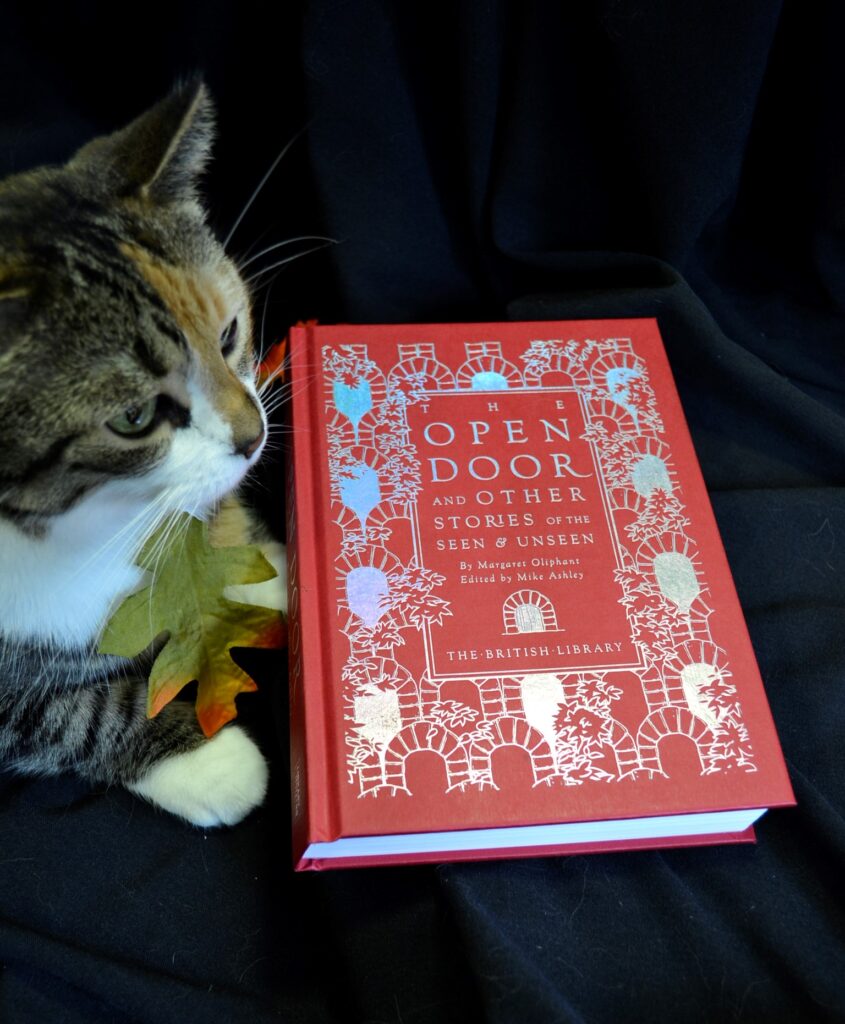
217, 783
104, 735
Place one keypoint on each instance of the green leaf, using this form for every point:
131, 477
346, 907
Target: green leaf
185, 603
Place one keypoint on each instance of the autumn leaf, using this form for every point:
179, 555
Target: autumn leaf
186, 604
273, 364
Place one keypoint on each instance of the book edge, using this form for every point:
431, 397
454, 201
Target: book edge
312, 792
747, 836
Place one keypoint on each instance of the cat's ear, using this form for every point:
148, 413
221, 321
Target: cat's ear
161, 154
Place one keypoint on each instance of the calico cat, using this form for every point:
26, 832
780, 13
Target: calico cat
127, 395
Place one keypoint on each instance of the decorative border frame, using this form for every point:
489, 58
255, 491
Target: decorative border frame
564, 719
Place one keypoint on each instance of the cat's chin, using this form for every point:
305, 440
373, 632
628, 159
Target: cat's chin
199, 473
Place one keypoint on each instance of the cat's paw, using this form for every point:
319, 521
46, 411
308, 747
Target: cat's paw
218, 783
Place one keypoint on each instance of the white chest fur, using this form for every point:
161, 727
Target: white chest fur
62, 587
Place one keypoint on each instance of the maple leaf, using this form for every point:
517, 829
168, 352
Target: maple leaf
186, 604
273, 365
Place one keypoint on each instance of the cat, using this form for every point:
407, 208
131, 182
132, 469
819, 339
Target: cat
127, 395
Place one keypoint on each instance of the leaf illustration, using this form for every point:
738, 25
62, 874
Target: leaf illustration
185, 603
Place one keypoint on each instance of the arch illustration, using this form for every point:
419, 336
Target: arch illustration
500, 695
672, 721
561, 371
425, 736
613, 373
651, 466
486, 368
624, 749
383, 513
419, 360
695, 665
624, 499
615, 360
351, 455
340, 427
512, 732
614, 418
671, 560
529, 611
362, 584
370, 374
401, 682
661, 689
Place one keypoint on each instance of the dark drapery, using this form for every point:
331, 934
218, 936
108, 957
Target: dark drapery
487, 161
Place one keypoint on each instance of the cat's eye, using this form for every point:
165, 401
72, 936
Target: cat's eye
135, 420
229, 338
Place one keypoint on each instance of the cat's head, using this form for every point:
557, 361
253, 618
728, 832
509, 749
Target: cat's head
126, 362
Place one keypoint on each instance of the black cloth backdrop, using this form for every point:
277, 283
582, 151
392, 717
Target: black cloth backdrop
488, 161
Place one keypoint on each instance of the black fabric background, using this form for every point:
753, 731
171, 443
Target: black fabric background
486, 161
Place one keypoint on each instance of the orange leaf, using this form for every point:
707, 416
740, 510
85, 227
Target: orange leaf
185, 603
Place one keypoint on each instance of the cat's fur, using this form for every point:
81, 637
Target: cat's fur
114, 293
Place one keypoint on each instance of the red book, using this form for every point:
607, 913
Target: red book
513, 627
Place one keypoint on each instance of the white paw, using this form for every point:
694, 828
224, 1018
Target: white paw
219, 783
270, 593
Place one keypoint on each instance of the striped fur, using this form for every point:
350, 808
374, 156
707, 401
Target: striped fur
113, 294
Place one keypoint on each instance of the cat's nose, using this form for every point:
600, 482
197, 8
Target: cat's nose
249, 448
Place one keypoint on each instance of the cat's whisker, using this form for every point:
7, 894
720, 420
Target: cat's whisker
286, 385
161, 533
115, 538
249, 281
162, 548
286, 388
263, 182
265, 386
287, 395
275, 403
253, 245
130, 551
288, 241
261, 332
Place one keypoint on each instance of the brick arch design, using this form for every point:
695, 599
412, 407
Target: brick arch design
625, 499
408, 693
672, 721
376, 557
521, 598
702, 652
614, 361
381, 514
625, 504
699, 652
486, 357
426, 736
513, 732
612, 416
645, 447
562, 372
500, 695
665, 543
339, 426
624, 749
374, 377
660, 690
360, 453
419, 359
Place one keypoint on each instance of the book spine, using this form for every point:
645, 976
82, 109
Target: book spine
313, 795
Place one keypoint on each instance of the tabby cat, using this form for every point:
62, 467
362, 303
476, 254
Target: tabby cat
127, 395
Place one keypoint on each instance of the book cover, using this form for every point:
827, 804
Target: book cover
513, 626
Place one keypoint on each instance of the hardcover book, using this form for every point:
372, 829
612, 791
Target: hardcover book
513, 630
